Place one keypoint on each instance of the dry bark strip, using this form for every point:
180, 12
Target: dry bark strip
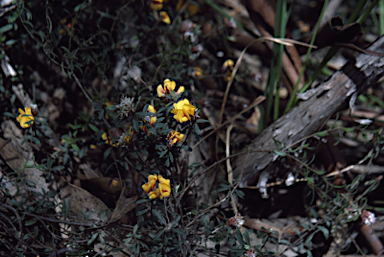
310, 115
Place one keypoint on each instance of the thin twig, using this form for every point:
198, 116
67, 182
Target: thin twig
229, 167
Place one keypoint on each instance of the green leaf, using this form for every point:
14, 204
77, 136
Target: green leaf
309, 238
202, 121
158, 235
160, 217
30, 222
279, 153
107, 152
92, 238
75, 147
322, 133
324, 230
142, 212
143, 201
93, 127
239, 236
6, 28
10, 42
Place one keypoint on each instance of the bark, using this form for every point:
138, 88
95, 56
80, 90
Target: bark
311, 114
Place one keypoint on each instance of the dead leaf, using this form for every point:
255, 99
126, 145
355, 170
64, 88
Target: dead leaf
124, 205
20, 160
334, 31
81, 201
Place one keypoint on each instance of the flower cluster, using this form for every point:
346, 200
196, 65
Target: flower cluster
157, 186
157, 5
25, 118
126, 106
108, 139
150, 119
125, 138
174, 137
236, 220
183, 110
250, 253
228, 67
367, 217
168, 88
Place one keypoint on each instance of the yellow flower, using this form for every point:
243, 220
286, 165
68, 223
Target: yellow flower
174, 137
165, 188
126, 137
151, 183
180, 90
164, 17
115, 182
26, 118
154, 194
108, 140
169, 86
196, 72
183, 110
151, 109
228, 64
156, 5
150, 119
160, 91
191, 8
228, 67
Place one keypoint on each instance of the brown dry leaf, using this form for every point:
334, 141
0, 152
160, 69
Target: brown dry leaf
104, 184
88, 172
81, 201
124, 205
334, 31
18, 158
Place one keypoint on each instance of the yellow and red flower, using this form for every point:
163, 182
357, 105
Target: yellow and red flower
156, 5
228, 67
25, 118
163, 189
174, 137
169, 86
150, 185
108, 139
164, 17
183, 110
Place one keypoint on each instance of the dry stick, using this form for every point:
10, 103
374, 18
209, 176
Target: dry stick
229, 167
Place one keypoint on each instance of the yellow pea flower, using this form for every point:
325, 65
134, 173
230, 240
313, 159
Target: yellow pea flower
150, 184
154, 194
174, 137
183, 110
164, 189
26, 118
108, 140
164, 186
156, 5
167, 87
164, 17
